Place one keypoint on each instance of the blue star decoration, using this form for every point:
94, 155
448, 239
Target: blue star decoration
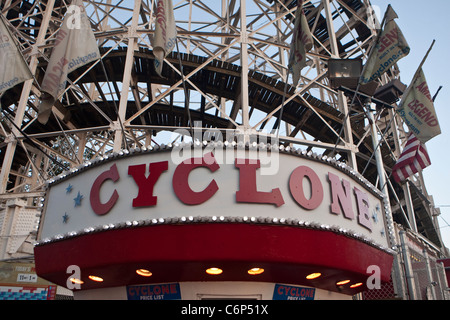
383, 233
65, 217
375, 213
375, 216
69, 188
78, 199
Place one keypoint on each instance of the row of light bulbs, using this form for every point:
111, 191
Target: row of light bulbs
217, 271
256, 271
316, 275
147, 273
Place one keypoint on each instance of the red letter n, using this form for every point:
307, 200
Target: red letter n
340, 196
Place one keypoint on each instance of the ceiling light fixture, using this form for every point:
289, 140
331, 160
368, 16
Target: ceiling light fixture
255, 271
214, 271
341, 283
95, 278
144, 272
314, 275
76, 281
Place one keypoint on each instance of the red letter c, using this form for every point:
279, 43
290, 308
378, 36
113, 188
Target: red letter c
99, 207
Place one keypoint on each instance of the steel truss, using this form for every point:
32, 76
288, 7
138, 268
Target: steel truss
234, 63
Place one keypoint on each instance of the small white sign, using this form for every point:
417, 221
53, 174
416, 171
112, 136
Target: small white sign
27, 277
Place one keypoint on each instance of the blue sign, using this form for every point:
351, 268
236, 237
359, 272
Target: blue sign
283, 292
166, 291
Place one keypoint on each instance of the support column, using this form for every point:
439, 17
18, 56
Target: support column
408, 268
389, 219
405, 187
431, 282
380, 169
132, 41
81, 146
342, 100
409, 206
244, 68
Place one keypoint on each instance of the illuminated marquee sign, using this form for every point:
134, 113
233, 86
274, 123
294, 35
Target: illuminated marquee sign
214, 186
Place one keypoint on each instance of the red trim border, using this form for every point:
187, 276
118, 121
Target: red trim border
177, 253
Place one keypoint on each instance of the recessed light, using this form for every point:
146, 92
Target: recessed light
95, 278
341, 283
214, 271
356, 285
314, 275
255, 271
144, 272
76, 281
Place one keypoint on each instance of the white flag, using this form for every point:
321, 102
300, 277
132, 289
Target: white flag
417, 109
391, 46
302, 42
75, 46
165, 33
13, 69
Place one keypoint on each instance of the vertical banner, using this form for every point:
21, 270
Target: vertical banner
302, 42
165, 33
75, 46
417, 109
13, 69
390, 47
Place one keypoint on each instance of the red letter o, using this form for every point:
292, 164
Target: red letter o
181, 185
296, 187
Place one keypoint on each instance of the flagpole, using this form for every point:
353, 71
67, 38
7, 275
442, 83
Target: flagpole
186, 93
381, 172
437, 92
282, 105
375, 143
424, 59
422, 130
416, 74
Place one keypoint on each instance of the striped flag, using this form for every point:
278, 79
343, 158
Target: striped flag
302, 42
413, 159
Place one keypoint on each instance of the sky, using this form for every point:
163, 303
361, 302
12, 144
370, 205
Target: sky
421, 22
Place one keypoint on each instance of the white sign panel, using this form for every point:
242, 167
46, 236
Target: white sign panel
219, 184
